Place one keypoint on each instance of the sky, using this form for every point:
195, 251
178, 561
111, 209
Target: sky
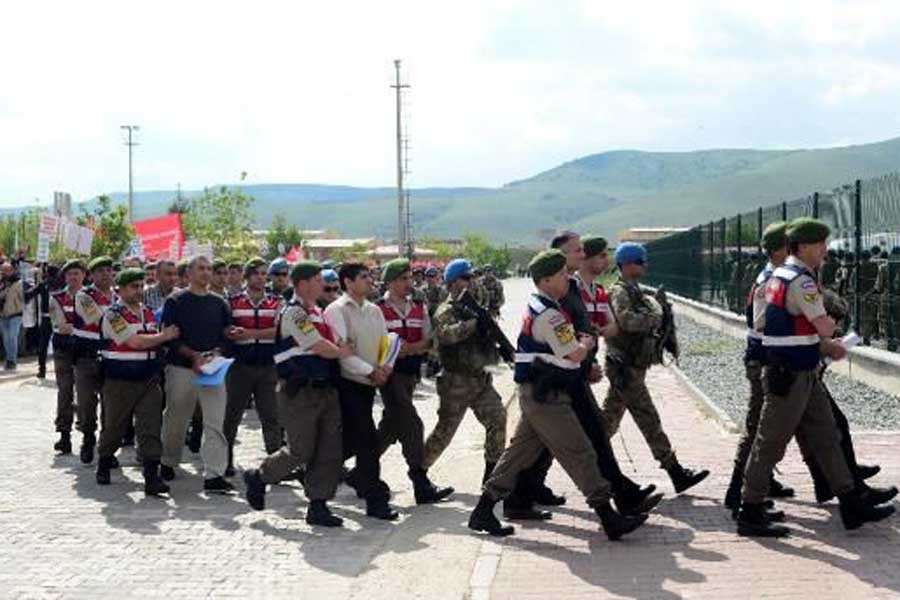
299, 92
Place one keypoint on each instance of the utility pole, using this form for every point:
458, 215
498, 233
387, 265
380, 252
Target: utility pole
401, 198
130, 143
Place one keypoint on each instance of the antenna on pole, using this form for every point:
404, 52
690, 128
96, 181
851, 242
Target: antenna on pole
130, 143
403, 246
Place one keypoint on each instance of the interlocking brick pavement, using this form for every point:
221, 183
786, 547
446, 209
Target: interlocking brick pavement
62, 536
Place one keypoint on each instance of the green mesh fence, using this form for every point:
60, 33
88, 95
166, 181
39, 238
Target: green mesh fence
717, 262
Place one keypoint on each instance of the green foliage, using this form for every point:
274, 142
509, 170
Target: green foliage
444, 251
284, 233
18, 232
355, 253
479, 251
225, 219
112, 231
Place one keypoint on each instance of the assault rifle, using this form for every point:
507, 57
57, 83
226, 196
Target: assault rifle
487, 326
666, 339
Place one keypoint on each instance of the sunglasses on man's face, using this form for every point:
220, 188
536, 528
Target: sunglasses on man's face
331, 288
466, 277
640, 263
284, 274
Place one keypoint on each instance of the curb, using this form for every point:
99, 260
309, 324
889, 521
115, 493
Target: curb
706, 406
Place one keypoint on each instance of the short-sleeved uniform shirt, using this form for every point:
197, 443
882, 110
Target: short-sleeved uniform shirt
553, 327
803, 295
297, 322
89, 311
117, 329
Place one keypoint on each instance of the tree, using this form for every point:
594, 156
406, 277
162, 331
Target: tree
223, 218
444, 252
281, 232
479, 251
112, 231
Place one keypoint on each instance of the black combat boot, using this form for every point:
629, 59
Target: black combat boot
254, 489
855, 510
516, 508
88, 441
634, 500
779, 490
684, 479
616, 525
320, 514
64, 444
867, 471
754, 521
166, 472
425, 491
733, 495
488, 469
377, 507
229, 470
103, 467
873, 496
153, 484
545, 496
483, 519
217, 485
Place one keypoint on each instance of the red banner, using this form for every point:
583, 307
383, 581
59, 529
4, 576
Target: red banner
161, 236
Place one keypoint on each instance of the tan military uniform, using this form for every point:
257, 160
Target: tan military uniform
804, 409
311, 417
550, 424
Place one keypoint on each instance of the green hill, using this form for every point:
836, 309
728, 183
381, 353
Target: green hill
603, 193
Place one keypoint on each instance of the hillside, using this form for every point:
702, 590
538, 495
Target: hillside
603, 193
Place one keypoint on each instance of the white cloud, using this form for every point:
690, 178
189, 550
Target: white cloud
298, 91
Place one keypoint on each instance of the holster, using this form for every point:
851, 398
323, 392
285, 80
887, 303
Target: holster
546, 378
779, 378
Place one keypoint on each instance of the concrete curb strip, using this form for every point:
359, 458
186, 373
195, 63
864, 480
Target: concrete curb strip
706, 406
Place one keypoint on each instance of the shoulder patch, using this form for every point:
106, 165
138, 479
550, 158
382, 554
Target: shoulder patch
565, 333
117, 321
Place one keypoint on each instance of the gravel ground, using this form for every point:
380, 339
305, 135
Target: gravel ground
714, 362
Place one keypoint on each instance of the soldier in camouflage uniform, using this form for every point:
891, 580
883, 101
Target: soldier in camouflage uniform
493, 291
828, 272
630, 352
868, 297
464, 383
893, 310
434, 292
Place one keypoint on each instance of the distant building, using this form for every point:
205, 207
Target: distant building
326, 248
386, 253
642, 235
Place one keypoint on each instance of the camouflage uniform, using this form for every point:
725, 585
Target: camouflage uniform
465, 384
434, 295
829, 272
632, 351
494, 294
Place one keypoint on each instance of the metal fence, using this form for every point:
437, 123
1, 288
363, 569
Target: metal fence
716, 262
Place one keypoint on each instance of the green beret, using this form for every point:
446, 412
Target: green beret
547, 263
593, 245
305, 269
100, 261
774, 236
805, 230
129, 275
394, 269
253, 263
219, 263
182, 266
73, 263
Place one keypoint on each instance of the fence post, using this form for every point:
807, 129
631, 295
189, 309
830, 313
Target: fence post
759, 222
784, 211
857, 250
815, 205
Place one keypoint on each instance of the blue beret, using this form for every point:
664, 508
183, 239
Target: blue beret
279, 264
329, 275
629, 252
456, 268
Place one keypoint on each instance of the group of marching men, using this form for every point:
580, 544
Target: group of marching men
311, 362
